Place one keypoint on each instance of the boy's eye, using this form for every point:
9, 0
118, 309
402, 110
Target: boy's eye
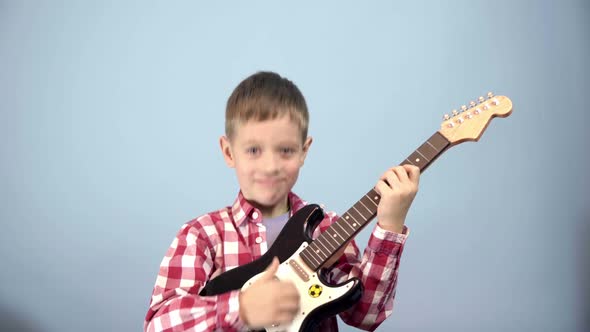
287, 151
252, 150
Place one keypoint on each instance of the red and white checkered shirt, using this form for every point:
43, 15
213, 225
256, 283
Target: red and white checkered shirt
225, 239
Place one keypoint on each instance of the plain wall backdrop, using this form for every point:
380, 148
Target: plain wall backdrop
111, 111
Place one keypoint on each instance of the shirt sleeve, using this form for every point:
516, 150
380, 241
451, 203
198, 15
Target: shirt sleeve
175, 304
377, 269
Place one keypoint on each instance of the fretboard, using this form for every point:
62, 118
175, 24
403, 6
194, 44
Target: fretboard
362, 212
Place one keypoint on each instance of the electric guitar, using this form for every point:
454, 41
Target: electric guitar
302, 257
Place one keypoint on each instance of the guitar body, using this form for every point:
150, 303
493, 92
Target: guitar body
319, 300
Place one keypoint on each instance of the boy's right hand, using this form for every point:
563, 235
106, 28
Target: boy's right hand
269, 301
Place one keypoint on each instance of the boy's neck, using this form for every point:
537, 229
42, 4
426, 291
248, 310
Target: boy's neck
273, 211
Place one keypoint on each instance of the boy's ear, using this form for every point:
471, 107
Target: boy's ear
306, 146
228, 155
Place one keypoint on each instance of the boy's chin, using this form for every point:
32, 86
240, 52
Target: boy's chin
267, 203
270, 202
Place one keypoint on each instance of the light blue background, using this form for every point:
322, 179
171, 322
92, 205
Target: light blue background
110, 115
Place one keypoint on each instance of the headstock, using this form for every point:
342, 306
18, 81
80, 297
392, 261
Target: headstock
469, 123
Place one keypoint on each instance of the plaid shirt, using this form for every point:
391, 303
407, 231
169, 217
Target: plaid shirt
225, 239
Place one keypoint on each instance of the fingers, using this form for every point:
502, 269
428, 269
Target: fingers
382, 187
271, 270
287, 303
413, 173
285, 318
284, 289
270, 301
289, 292
397, 177
401, 175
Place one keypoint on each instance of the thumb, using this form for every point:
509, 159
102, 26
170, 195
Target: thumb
272, 268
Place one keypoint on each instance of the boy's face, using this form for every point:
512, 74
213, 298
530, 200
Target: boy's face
267, 157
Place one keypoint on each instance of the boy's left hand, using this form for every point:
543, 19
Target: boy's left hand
397, 187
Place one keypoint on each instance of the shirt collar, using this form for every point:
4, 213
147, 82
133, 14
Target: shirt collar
243, 210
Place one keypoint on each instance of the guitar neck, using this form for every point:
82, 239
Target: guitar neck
362, 212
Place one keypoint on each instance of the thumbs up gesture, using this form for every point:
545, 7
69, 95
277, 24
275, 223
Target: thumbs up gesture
269, 301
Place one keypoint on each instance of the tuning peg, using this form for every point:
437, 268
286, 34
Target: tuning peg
463, 108
481, 99
472, 104
446, 117
490, 95
455, 112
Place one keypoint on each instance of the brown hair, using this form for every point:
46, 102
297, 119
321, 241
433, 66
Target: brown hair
265, 96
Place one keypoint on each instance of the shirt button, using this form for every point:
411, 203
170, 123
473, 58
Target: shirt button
259, 240
254, 215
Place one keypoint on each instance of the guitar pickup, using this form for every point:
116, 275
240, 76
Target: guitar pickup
299, 270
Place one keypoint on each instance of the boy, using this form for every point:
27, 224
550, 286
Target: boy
266, 143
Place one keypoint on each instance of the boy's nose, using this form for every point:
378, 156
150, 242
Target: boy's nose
271, 164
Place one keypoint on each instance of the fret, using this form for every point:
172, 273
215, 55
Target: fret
363, 204
349, 225
370, 200
309, 258
315, 258
428, 150
347, 214
332, 238
416, 160
324, 238
439, 141
359, 218
339, 236
430, 144
359, 212
410, 162
347, 217
342, 228
323, 245
420, 153
317, 250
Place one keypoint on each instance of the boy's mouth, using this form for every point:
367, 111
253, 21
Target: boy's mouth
268, 182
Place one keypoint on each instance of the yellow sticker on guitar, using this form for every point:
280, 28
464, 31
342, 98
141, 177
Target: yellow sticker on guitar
315, 290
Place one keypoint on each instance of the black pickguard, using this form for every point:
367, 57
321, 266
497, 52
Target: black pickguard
298, 229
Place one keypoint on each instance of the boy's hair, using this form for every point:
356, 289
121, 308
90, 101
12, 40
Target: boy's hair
265, 96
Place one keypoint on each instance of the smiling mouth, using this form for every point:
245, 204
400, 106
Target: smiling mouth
268, 182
